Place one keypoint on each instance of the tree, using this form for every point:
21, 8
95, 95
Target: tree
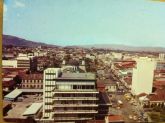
17, 79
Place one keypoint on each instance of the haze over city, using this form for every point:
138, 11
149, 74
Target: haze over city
82, 22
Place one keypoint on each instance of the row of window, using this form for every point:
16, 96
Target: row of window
75, 95
32, 86
76, 102
32, 81
72, 87
75, 108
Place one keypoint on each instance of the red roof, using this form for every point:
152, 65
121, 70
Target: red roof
115, 118
125, 64
32, 76
8, 83
96, 121
100, 84
159, 83
141, 95
158, 96
160, 71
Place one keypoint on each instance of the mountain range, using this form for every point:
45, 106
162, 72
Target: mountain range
125, 47
16, 41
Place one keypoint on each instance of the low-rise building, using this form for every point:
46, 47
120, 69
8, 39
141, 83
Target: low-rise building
32, 81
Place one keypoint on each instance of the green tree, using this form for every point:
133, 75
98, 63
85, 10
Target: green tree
17, 79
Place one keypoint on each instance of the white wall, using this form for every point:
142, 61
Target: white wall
54, 74
142, 79
9, 63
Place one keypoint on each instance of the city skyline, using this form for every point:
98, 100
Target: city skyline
134, 23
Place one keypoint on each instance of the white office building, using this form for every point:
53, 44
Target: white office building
48, 86
143, 74
161, 56
69, 97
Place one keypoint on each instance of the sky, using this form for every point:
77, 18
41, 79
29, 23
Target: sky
84, 22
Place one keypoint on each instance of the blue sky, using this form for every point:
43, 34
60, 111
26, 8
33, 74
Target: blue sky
74, 22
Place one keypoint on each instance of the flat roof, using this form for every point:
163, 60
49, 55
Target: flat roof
32, 90
33, 109
77, 76
15, 93
7, 79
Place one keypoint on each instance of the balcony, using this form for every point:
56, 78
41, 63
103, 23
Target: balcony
75, 112
74, 98
93, 91
70, 118
74, 105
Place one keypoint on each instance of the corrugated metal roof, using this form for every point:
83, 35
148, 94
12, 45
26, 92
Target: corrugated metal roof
33, 109
15, 93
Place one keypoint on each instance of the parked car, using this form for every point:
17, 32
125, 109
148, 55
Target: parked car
130, 117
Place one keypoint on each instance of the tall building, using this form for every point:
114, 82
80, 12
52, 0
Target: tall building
48, 88
69, 97
161, 56
23, 61
143, 74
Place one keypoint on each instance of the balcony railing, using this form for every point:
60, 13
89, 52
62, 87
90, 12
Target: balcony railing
75, 112
70, 118
76, 91
75, 98
75, 105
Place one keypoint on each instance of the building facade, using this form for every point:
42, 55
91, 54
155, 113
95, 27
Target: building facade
143, 75
32, 81
69, 97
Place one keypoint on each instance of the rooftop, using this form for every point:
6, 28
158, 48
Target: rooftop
32, 90
158, 96
115, 118
15, 93
33, 109
86, 76
32, 76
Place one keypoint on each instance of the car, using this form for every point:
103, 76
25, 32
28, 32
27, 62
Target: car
118, 107
139, 118
130, 117
135, 117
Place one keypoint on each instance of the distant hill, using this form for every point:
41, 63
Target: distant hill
125, 47
16, 41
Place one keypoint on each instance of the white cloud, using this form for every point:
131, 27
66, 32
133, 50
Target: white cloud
19, 4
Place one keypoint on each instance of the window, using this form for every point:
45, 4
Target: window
65, 87
74, 86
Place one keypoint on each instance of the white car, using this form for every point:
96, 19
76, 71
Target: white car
135, 118
130, 117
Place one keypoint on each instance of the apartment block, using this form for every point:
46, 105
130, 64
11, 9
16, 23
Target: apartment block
143, 75
69, 97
